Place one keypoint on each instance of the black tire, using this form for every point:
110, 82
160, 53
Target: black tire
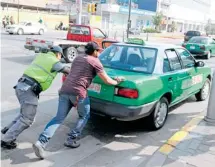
70, 54
20, 31
41, 32
200, 95
152, 117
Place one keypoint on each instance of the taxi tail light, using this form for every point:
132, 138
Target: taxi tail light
128, 93
202, 47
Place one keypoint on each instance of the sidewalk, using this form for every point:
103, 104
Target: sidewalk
192, 146
108, 143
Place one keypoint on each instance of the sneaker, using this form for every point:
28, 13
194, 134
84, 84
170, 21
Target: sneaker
38, 150
4, 130
72, 143
8, 145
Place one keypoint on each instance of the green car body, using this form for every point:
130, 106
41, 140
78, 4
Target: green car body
143, 88
201, 46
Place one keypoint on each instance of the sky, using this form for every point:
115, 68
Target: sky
213, 9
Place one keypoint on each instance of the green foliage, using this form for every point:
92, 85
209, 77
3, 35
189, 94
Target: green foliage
150, 30
157, 20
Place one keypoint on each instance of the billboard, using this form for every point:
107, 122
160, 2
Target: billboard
150, 5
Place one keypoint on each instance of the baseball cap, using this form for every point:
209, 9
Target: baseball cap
92, 46
57, 49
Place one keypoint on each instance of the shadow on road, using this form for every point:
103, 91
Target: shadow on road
24, 60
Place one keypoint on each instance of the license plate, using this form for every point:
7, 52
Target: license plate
192, 47
37, 49
95, 88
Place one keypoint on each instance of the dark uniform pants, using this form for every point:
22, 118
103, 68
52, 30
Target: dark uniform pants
28, 108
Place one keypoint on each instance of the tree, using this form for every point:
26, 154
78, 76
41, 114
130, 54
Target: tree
173, 27
157, 20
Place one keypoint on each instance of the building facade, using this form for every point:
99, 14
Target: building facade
185, 14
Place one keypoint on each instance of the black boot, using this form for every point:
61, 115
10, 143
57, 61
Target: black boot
4, 130
8, 145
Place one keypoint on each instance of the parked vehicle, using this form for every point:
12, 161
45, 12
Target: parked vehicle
134, 31
26, 28
77, 36
201, 46
189, 34
157, 77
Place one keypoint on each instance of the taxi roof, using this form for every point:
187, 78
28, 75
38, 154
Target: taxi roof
151, 45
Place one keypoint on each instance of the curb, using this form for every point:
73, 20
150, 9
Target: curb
180, 135
169, 37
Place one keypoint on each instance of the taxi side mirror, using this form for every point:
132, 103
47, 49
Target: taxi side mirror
200, 64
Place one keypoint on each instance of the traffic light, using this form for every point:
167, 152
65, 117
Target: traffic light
89, 8
94, 8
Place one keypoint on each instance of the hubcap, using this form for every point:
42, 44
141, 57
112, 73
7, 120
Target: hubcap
205, 90
72, 54
160, 114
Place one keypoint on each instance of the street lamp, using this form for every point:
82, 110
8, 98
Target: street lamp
129, 19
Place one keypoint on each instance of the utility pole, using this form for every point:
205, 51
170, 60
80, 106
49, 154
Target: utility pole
210, 117
79, 11
129, 18
18, 11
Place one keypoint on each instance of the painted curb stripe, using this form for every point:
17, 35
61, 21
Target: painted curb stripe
180, 135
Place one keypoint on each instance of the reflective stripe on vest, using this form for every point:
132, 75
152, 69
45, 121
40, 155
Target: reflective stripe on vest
44, 70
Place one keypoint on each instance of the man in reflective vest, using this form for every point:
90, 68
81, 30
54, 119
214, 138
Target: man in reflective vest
37, 77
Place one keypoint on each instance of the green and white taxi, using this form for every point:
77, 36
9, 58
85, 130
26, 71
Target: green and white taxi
201, 46
157, 76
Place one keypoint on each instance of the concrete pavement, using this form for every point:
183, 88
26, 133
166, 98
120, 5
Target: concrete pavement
192, 146
105, 143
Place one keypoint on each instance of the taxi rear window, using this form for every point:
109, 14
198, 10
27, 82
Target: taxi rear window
129, 58
199, 40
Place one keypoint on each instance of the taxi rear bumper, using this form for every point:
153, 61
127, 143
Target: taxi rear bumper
199, 53
119, 111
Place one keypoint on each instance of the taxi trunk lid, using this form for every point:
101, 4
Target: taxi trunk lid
193, 47
100, 90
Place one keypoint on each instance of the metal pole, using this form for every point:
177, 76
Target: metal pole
147, 36
18, 11
129, 18
210, 117
79, 11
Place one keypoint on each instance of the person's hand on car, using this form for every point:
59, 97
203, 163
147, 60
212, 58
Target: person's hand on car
119, 79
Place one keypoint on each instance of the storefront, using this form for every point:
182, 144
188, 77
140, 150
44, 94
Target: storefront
116, 17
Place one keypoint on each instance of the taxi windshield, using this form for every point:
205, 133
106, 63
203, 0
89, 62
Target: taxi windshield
198, 40
129, 58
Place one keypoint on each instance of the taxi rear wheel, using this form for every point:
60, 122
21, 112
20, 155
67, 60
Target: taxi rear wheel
204, 92
159, 116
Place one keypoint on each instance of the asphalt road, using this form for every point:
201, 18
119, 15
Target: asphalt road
105, 142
